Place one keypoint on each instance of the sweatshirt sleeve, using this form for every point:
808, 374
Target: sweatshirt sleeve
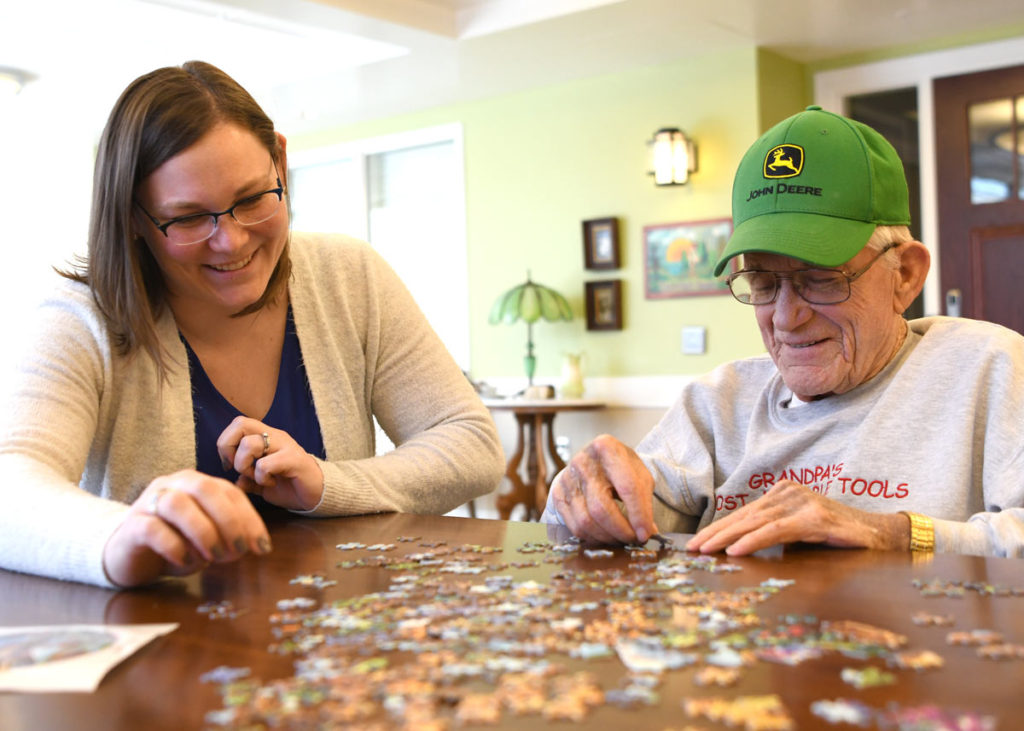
681, 461
999, 530
681, 452
993, 372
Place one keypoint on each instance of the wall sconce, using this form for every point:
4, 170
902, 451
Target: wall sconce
11, 81
673, 157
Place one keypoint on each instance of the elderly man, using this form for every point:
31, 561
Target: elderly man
857, 428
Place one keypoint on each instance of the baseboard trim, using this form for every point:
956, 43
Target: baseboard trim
635, 392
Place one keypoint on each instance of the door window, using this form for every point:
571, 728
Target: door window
995, 149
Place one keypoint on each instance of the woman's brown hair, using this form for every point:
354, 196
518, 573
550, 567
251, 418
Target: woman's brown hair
157, 116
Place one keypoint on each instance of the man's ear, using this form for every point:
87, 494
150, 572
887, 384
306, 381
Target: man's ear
910, 275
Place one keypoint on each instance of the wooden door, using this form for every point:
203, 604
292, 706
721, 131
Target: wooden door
979, 136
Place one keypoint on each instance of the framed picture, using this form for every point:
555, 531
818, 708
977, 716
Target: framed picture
679, 258
604, 305
601, 243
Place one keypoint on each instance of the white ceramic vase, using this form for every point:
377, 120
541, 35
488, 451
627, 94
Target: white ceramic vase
572, 376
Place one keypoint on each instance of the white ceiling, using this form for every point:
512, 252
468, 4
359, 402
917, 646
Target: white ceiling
318, 63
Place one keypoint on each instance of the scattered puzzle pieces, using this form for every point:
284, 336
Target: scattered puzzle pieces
479, 643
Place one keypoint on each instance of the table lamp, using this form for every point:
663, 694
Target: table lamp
529, 302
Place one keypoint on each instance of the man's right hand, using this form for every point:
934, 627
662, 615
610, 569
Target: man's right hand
585, 494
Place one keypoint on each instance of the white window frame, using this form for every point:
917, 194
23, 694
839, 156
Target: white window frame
453, 265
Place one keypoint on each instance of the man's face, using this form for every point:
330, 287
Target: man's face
830, 349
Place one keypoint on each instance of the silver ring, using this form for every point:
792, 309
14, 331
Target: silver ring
266, 443
153, 504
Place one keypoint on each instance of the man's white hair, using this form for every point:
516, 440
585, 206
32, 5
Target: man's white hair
885, 235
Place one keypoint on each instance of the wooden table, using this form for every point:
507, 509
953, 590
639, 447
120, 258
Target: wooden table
535, 437
159, 687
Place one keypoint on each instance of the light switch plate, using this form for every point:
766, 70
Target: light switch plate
694, 340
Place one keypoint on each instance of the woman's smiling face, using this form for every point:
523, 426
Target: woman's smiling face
229, 270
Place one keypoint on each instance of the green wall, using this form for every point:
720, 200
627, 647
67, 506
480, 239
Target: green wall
540, 162
783, 88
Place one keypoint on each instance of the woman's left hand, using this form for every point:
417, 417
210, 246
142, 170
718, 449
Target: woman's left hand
271, 464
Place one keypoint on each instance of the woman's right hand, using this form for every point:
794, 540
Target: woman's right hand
178, 525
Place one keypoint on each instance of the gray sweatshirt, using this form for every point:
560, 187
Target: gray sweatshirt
939, 431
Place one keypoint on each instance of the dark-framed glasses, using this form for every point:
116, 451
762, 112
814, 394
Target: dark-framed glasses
197, 227
816, 286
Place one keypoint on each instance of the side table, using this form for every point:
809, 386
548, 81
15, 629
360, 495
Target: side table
533, 418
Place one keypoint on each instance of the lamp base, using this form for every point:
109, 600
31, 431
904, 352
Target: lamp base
536, 393
530, 365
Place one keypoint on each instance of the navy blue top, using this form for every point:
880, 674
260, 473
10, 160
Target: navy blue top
292, 410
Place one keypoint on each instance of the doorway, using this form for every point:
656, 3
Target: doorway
832, 89
893, 114
979, 131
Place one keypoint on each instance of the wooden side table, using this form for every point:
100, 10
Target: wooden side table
533, 418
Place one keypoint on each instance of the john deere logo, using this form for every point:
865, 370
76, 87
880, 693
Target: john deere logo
784, 161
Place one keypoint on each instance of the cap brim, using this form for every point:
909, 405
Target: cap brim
820, 240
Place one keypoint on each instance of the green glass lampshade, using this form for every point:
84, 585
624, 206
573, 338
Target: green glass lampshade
529, 302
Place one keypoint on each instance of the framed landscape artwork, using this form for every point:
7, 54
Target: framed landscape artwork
679, 258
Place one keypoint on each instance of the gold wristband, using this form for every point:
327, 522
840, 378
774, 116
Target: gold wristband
922, 532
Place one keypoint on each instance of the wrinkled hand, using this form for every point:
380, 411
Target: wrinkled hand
585, 493
791, 512
179, 524
275, 467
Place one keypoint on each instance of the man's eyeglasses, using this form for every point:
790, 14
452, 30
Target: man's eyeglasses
816, 286
197, 227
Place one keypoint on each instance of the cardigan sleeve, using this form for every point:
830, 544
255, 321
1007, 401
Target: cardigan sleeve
380, 359
48, 420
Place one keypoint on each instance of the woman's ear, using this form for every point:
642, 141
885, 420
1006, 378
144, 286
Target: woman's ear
915, 260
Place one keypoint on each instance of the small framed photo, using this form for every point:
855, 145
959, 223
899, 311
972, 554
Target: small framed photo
601, 243
604, 305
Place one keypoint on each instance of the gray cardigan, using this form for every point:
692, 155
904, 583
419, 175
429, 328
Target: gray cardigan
84, 430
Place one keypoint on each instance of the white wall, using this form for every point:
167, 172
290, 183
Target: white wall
45, 180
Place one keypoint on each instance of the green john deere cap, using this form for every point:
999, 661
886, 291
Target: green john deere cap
814, 187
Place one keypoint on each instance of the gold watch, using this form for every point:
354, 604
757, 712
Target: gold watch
922, 532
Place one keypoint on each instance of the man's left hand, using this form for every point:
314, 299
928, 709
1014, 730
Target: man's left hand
790, 512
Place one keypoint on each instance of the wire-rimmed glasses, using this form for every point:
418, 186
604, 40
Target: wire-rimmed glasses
816, 286
197, 227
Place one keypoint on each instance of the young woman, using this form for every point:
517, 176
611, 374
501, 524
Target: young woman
202, 351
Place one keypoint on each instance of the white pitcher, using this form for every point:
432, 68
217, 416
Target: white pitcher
572, 376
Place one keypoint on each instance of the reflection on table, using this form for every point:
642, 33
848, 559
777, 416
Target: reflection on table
526, 599
536, 439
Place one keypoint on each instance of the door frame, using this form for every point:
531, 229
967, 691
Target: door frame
831, 89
